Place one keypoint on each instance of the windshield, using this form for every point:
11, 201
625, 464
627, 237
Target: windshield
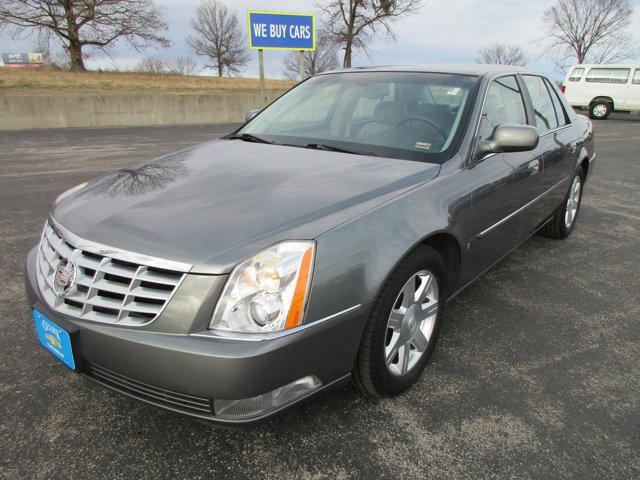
416, 116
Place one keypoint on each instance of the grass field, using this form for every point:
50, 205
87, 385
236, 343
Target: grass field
26, 81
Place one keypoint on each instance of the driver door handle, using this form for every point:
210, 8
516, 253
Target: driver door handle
534, 167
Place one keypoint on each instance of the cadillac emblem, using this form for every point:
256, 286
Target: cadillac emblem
65, 276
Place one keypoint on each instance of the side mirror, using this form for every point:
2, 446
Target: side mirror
251, 113
509, 138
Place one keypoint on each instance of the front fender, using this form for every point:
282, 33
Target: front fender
354, 260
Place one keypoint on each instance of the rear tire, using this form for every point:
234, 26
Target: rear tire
403, 326
600, 110
565, 217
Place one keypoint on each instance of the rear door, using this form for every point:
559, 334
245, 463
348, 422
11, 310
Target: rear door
557, 145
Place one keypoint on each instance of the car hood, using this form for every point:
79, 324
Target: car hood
222, 202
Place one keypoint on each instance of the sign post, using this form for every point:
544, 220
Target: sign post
280, 31
301, 59
261, 66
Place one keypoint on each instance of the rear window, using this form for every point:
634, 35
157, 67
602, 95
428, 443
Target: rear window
608, 75
576, 75
561, 115
543, 108
636, 77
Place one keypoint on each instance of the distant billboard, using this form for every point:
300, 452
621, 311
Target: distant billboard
22, 59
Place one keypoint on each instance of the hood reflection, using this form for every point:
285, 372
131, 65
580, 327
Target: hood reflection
145, 178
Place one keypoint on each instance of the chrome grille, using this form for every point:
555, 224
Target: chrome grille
107, 289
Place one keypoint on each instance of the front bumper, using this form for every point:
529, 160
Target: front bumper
185, 372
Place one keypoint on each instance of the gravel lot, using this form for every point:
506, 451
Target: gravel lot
537, 374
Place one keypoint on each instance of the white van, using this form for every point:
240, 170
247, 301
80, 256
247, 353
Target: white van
603, 89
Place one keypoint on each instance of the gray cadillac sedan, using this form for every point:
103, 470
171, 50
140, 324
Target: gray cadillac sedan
317, 244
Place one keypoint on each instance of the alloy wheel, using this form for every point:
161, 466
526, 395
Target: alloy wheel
411, 323
573, 202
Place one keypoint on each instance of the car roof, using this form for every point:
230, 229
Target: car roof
605, 65
460, 69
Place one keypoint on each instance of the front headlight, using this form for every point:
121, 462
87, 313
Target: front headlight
268, 292
72, 190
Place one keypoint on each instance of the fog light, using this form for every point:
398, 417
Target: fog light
263, 404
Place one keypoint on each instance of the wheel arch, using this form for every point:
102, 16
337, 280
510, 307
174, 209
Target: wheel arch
603, 98
447, 246
584, 164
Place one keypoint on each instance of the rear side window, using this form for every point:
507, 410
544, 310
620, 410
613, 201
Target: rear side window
503, 105
636, 77
561, 114
545, 113
576, 75
608, 75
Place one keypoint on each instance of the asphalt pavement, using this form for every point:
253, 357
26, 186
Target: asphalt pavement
537, 373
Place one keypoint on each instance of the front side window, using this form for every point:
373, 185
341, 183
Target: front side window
408, 115
545, 113
503, 105
576, 75
608, 75
636, 77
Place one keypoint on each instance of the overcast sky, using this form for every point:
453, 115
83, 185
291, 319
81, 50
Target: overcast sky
442, 31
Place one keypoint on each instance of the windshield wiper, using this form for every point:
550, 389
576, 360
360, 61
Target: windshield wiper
331, 148
247, 137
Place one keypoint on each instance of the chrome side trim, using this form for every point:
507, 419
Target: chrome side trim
521, 209
258, 337
556, 130
118, 254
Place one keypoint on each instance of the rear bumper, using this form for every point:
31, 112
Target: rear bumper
185, 372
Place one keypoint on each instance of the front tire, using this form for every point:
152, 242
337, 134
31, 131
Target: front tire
600, 110
564, 220
403, 326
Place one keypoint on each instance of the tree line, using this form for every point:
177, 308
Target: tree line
577, 31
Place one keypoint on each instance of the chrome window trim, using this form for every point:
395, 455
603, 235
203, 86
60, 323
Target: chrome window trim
118, 254
258, 337
521, 209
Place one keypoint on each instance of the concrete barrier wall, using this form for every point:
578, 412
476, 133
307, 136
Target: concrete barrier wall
44, 111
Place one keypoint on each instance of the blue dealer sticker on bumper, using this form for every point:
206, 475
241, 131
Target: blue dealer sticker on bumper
55, 339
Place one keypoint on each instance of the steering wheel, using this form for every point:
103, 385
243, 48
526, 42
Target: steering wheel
443, 134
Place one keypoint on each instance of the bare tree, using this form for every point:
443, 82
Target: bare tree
323, 58
150, 65
502, 54
181, 65
588, 31
97, 24
353, 23
218, 37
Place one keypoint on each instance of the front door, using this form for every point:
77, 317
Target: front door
502, 185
